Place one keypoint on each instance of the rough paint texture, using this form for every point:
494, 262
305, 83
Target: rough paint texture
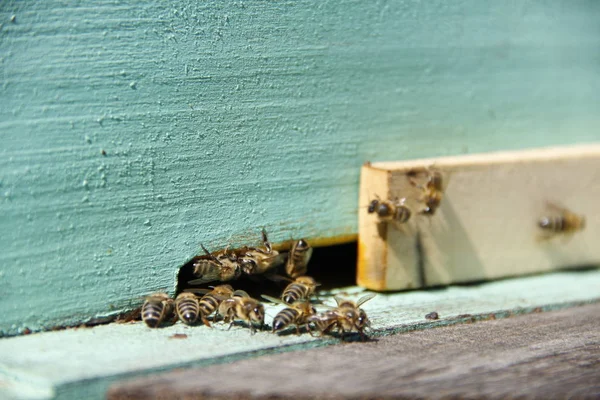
132, 132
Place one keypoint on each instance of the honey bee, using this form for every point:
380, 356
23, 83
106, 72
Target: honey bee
243, 307
390, 211
156, 308
560, 221
212, 299
298, 258
187, 307
223, 267
346, 317
432, 191
256, 260
297, 314
300, 289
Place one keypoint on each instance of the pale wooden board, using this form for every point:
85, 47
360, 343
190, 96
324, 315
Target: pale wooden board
486, 225
548, 355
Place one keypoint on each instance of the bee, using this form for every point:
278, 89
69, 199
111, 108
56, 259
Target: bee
243, 307
187, 307
297, 314
212, 299
560, 221
432, 191
298, 258
346, 317
300, 289
390, 211
156, 309
256, 260
223, 267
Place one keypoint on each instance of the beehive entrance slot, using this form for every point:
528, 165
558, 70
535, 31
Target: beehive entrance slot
331, 266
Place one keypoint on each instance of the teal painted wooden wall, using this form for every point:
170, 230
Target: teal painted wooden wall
218, 118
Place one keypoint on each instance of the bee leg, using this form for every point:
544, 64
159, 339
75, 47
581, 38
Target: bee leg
205, 322
342, 334
230, 324
363, 337
266, 242
297, 330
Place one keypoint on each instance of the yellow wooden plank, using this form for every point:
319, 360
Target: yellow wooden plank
487, 223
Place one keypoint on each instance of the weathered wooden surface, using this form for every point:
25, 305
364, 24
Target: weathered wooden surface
131, 132
486, 226
548, 355
56, 365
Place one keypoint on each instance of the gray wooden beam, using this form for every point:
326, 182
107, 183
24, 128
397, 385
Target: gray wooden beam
547, 355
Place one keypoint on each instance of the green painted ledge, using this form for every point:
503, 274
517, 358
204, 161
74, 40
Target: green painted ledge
81, 363
132, 132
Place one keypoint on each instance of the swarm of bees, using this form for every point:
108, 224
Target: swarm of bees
222, 303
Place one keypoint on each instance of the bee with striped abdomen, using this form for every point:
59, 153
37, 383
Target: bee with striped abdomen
298, 258
346, 317
560, 221
388, 211
243, 307
187, 307
223, 267
256, 260
296, 314
300, 289
156, 309
433, 192
212, 299
433, 189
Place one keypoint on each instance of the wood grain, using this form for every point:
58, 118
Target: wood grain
487, 224
548, 355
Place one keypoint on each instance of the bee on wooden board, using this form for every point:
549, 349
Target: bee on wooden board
388, 211
296, 314
212, 299
346, 317
156, 309
560, 221
298, 258
432, 190
256, 260
301, 288
223, 267
243, 307
187, 307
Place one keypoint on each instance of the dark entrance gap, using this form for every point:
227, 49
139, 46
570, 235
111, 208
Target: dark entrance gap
331, 266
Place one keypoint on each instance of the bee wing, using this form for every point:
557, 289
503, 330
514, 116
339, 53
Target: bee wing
198, 290
364, 299
325, 306
339, 300
162, 292
278, 278
241, 293
274, 300
205, 279
555, 207
324, 316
